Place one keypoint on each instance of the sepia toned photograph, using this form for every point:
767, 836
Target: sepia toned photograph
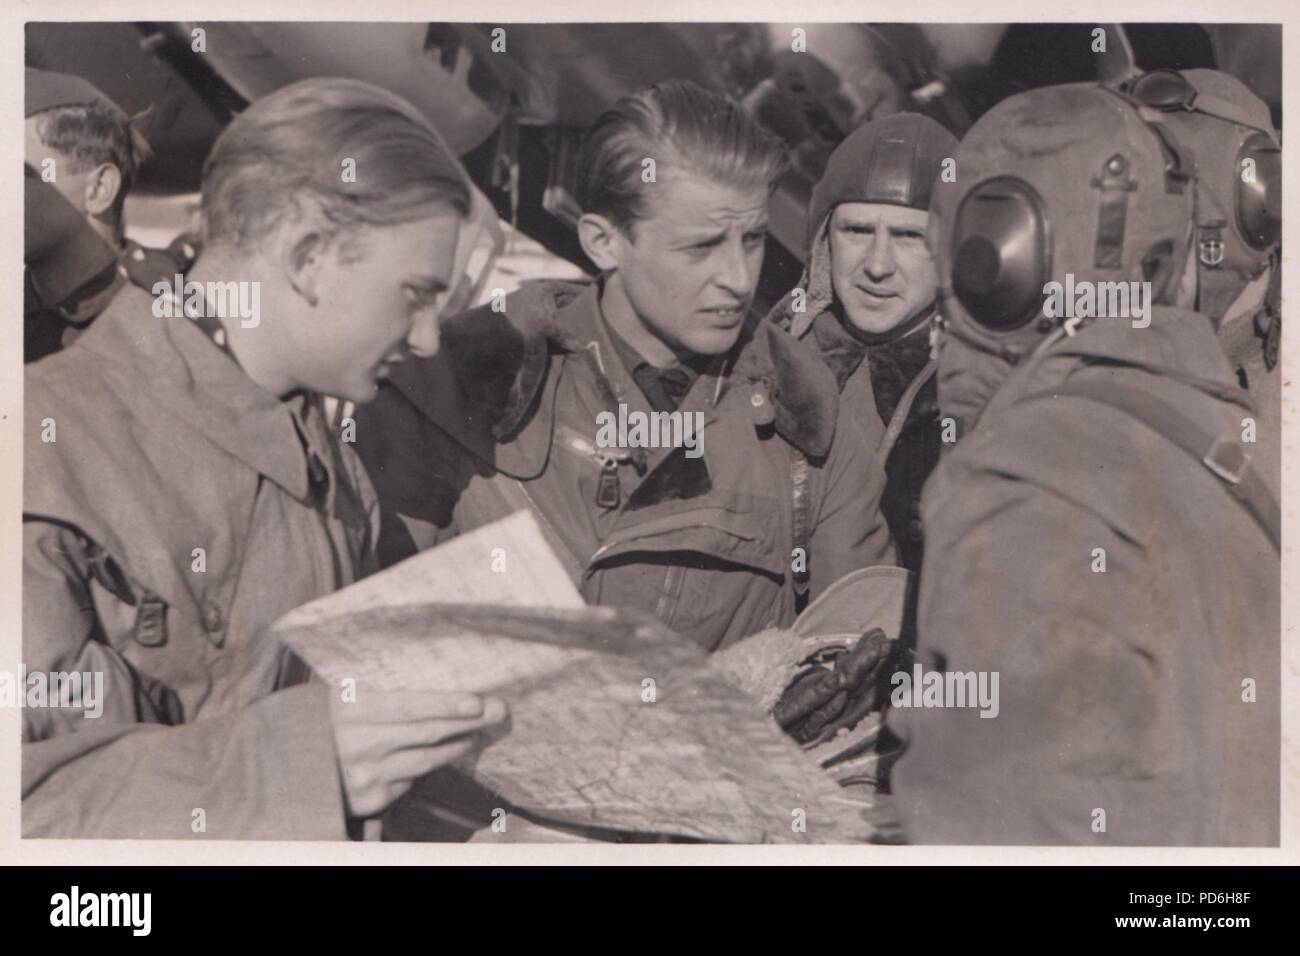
622, 433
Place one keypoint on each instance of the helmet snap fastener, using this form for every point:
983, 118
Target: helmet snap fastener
213, 619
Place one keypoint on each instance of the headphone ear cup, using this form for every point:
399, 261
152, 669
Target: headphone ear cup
1258, 173
1002, 254
976, 267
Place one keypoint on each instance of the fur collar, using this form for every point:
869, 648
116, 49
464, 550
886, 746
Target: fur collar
500, 362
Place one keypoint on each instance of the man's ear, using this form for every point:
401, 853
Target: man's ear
102, 184
600, 240
303, 259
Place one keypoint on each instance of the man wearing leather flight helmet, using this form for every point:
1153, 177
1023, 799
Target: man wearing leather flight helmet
866, 300
1083, 541
1238, 229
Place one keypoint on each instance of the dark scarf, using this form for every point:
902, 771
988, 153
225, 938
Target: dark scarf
894, 358
664, 388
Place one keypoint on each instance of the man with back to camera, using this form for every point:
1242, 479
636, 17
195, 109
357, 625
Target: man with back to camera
1238, 230
1094, 536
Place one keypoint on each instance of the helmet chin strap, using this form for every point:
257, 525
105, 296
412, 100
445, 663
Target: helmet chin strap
1007, 353
1013, 357
1249, 299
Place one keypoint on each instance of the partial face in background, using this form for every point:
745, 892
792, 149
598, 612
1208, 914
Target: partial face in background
71, 186
375, 300
690, 267
881, 270
92, 192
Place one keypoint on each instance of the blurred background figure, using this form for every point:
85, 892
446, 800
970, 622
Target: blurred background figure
80, 158
82, 154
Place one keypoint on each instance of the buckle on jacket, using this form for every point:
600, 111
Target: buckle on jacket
1227, 459
151, 622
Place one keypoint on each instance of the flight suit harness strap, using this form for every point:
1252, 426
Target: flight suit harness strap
801, 524
1223, 457
150, 628
903, 409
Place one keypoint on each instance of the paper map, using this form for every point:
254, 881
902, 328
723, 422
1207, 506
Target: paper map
616, 722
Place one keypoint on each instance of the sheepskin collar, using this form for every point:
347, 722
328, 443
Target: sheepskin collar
501, 361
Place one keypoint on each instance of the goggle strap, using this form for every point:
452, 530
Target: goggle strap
1226, 111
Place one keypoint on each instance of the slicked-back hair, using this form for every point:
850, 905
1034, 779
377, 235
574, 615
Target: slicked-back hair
683, 128
288, 150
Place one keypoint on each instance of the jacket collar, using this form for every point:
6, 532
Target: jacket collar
815, 292
196, 382
801, 389
492, 379
1179, 345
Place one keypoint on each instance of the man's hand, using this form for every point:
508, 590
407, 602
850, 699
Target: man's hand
385, 741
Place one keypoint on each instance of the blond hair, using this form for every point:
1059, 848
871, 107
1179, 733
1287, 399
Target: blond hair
291, 148
678, 124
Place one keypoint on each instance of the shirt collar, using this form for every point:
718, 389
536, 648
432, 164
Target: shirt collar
665, 387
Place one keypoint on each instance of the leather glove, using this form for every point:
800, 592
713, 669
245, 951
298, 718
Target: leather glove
838, 689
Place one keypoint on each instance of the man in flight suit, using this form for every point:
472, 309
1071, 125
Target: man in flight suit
777, 497
1238, 230
182, 491
1094, 536
868, 295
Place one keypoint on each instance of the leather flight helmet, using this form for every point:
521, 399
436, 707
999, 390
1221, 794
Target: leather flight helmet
1238, 158
1067, 179
895, 159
